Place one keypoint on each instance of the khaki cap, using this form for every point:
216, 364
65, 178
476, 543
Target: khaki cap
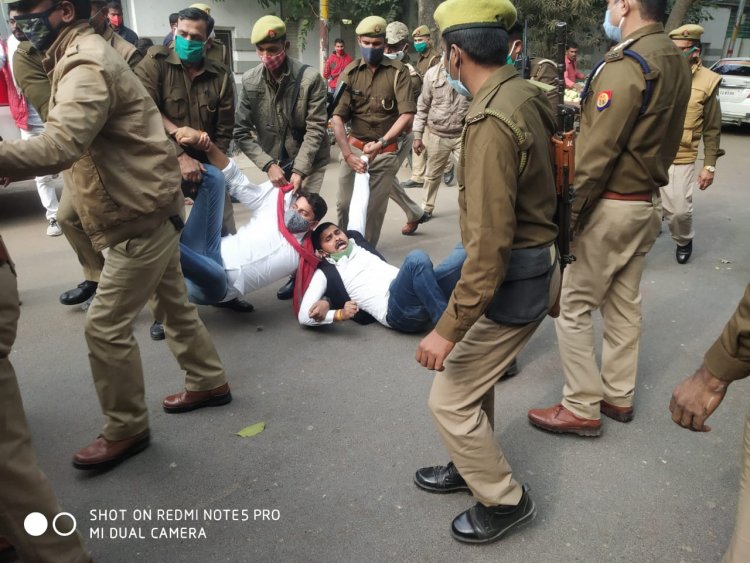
466, 14
371, 25
421, 31
687, 31
202, 7
396, 32
268, 28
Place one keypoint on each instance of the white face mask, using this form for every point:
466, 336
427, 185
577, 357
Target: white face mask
613, 32
397, 56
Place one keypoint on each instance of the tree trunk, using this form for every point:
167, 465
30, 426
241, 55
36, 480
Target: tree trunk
425, 10
677, 15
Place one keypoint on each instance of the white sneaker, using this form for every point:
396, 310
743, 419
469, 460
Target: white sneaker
53, 229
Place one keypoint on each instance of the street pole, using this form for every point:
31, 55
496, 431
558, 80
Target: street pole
736, 30
324, 33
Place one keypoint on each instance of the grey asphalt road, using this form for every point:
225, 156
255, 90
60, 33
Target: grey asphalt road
347, 422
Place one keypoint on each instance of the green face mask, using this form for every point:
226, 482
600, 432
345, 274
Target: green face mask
188, 50
336, 256
420, 47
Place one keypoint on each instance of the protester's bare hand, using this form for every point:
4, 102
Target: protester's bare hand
356, 163
319, 310
350, 309
432, 351
191, 169
193, 138
696, 398
705, 179
296, 181
417, 146
276, 175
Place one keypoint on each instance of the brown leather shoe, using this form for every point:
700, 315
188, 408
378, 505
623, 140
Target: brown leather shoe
411, 227
620, 414
561, 420
190, 400
104, 454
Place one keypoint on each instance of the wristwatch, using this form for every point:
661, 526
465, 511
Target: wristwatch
711, 169
383, 142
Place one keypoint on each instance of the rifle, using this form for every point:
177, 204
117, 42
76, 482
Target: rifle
563, 142
523, 65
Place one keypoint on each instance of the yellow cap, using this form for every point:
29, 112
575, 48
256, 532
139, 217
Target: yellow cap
371, 25
396, 32
421, 31
267, 28
466, 14
688, 31
202, 7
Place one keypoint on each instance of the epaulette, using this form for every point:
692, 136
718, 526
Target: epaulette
614, 55
158, 51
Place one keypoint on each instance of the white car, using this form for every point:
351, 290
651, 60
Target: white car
734, 90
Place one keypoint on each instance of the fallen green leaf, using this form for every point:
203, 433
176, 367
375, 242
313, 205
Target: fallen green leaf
252, 430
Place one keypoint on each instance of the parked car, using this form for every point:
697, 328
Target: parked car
734, 90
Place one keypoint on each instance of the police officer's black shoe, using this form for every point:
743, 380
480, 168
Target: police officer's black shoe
156, 332
79, 294
440, 479
449, 176
286, 291
683, 253
237, 305
485, 524
511, 371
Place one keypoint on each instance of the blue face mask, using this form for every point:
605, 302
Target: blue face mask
456, 84
371, 55
612, 32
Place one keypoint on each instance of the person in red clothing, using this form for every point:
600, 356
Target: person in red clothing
572, 74
335, 64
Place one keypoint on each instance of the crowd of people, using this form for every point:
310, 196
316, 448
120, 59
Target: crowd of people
136, 133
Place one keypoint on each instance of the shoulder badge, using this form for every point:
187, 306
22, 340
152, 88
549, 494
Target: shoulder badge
603, 99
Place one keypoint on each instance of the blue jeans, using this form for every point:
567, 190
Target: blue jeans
419, 294
200, 243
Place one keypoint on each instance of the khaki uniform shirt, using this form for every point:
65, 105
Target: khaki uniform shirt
729, 357
126, 179
498, 209
440, 107
33, 80
373, 101
429, 58
544, 72
703, 119
619, 149
264, 108
206, 103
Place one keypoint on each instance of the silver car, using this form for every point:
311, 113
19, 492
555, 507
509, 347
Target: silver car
734, 90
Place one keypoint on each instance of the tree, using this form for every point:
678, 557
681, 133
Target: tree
424, 14
677, 15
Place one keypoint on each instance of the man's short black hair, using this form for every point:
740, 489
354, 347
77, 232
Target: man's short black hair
318, 232
485, 45
339, 40
173, 18
194, 14
515, 32
653, 10
318, 204
572, 45
82, 7
114, 5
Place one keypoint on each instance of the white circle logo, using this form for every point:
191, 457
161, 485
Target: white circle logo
54, 524
35, 524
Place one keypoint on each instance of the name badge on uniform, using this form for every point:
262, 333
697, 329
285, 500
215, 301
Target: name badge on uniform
603, 99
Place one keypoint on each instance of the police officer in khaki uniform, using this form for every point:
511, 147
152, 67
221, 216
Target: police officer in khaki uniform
631, 124
703, 119
25, 488
379, 104
510, 277
428, 57
126, 191
696, 398
266, 110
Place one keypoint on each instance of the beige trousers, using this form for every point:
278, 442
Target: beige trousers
398, 194
23, 486
136, 270
439, 151
677, 202
418, 163
92, 261
314, 181
610, 256
462, 402
739, 547
382, 172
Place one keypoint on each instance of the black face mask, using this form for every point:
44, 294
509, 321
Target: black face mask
37, 29
371, 55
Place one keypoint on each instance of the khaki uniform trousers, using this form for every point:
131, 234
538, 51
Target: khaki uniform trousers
439, 151
677, 202
398, 194
419, 163
382, 172
92, 261
24, 488
134, 271
739, 546
314, 181
610, 256
462, 401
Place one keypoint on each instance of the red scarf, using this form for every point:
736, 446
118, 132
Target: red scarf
308, 261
